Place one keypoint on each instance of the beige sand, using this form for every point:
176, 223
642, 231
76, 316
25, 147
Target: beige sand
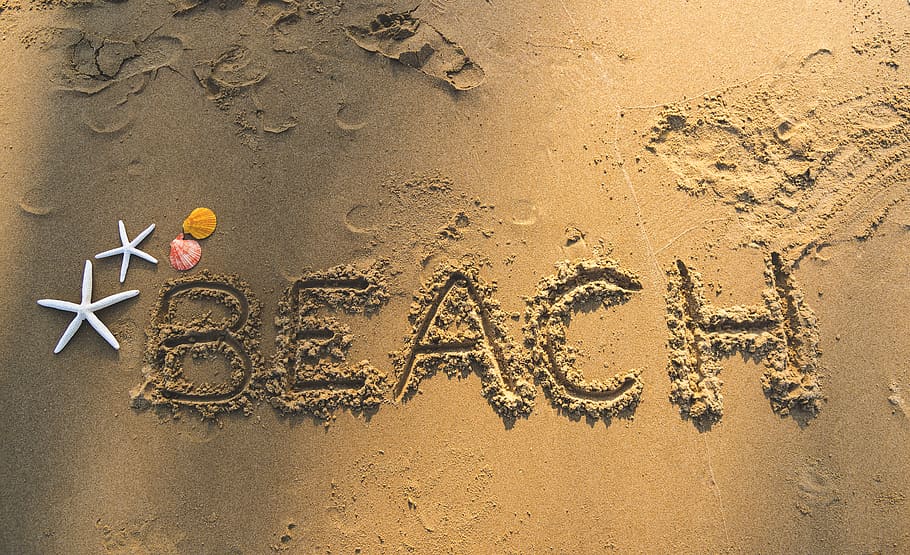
487, 278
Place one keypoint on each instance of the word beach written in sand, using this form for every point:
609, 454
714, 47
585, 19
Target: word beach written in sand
458, 327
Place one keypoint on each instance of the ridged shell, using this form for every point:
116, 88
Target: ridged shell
200, 223
185, 253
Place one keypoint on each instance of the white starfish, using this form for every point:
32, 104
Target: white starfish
128, 249
86, 310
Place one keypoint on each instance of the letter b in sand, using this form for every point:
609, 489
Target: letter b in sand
202, 320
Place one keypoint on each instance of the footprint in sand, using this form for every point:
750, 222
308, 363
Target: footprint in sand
108, 72
234, 69
111, 111
238, 73
36, 201
273, 110
135, 168
352, 116
184, 7
815, 489
524, 212
97, 62
361, 219
417, 44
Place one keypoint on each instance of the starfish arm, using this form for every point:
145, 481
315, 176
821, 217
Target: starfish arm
112, 300
87, 283
59, 305
123, 237
145, 255
102, 330
69, 333
145, 232
124, 265
112, 252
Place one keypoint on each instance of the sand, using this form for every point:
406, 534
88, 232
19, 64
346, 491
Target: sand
487, 278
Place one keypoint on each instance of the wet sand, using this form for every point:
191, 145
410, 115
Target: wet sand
485, 279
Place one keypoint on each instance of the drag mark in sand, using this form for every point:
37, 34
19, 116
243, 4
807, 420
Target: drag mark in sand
783, 334
575, 285
458, 327
797, 170
173, 337
310, 374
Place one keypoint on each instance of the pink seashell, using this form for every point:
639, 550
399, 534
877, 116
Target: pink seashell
185, 253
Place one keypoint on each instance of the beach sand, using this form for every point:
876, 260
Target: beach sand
487, 278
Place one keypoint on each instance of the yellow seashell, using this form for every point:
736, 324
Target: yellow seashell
200, 223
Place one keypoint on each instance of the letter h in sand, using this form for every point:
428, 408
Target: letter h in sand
783, 334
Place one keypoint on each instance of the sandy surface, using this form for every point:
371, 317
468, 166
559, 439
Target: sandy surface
577, 277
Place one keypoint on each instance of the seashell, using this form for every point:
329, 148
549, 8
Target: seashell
200, 223
185, 253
